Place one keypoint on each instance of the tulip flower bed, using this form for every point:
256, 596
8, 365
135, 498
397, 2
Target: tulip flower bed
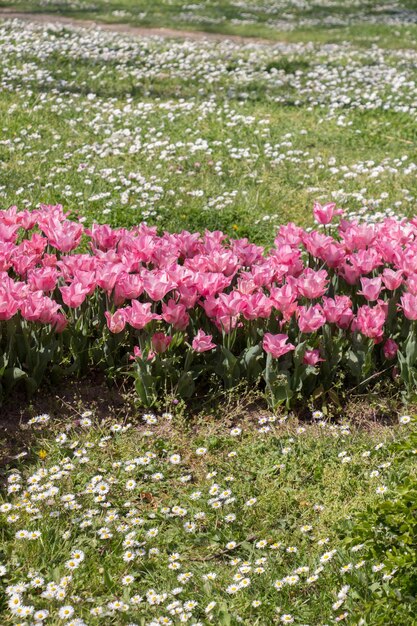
181, 312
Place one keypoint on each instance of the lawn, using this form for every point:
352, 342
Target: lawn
166, 520
204, 135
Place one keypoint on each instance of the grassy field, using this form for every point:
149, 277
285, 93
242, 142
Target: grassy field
166, 521
194, 135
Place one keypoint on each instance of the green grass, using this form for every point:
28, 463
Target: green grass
200, 135
287, 485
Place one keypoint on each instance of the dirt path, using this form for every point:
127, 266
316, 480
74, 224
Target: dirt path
48, 18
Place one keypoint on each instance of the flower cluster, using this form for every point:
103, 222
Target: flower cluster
183, 306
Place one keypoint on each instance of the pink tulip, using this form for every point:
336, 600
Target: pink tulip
188, 296
74, 294
187, 244
63, 237
23, 262
213, 240
324, 214
288, 234
36, 244
284, 299
37, 307
86, 279
175, 314
165, 254
392, 280
411, 284
225, 310
371, 288
49, 260
246, 285
16, 289
248, 253
390, 349
7, 250
210, 284
157, 284
137, 353
357, 236
127, 286
27, 219
59, 322
160, 342
222, 262
43, 279
310, 318
140, 246
312, 284
116, 322
370, 321
334, 255
108, 275
104, 236
406, 260
409, 306
366, 261
139, 315
338, 311
261, 275
255, 306
8, 304
312, 357
8, 232
203, 342
182, 276
10, 215
388, 250
349, 273
316, 243
226, 323
286, 258
276, 345
73, 264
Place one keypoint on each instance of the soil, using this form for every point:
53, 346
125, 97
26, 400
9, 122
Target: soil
73, 396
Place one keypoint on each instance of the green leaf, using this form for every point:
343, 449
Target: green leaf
299, 353
143, 392
411, 351
225, 618
108, 581
12, 375
251, 361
